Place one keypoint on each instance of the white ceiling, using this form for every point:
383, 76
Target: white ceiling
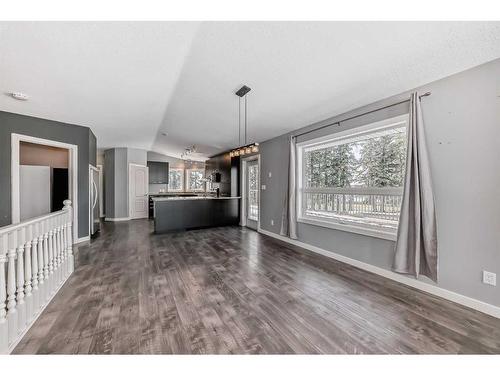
131, 82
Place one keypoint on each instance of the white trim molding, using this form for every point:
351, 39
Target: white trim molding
82, 239
16, 139
414, 283
116, 218
243, 184
380, 228
358, 229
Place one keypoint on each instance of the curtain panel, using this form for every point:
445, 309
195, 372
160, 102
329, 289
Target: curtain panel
416, 244
289, 211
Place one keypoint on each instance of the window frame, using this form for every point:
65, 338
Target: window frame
187, 178
338, 223
181, 170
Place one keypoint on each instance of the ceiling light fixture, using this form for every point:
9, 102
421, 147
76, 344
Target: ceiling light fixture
188, 151
19, 96
247, 149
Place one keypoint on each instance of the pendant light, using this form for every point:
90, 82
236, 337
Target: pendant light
246, 149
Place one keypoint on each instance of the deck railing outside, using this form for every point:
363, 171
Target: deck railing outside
376, 204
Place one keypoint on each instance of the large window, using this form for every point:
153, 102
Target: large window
353, 180
195, 180
175, 179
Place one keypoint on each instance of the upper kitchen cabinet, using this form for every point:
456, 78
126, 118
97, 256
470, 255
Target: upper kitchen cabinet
158, 172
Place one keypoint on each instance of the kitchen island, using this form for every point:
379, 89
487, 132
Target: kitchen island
181, 213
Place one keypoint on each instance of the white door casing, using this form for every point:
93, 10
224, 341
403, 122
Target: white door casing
101, 190
247, 218
16, 139
138, 191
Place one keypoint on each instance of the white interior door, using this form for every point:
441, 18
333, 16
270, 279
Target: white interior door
138, 191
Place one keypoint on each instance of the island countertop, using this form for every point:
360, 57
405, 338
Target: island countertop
160, 199
181, 213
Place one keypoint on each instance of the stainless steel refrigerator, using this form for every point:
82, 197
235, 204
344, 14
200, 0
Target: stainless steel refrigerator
95, 224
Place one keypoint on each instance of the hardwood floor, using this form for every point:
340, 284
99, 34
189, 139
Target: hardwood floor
232, 290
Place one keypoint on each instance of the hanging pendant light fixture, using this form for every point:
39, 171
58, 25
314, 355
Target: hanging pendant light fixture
246, 149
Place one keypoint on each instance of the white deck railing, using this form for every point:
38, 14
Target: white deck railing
357, 202
36, 258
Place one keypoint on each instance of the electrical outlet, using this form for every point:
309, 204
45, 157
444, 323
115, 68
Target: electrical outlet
263, 187
270, 175
489, 278
272, 222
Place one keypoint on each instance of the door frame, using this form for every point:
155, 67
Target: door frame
95, 169
243, 183
101, 190
130, 199
16, 140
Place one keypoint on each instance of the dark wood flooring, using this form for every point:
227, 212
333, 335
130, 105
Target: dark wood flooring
232, 290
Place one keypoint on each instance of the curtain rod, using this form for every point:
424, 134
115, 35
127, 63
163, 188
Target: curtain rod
356, 116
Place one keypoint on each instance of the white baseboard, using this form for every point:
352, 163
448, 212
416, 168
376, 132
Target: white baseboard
82, 239
117, 219
417, 284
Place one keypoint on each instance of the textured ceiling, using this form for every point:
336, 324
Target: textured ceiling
133, 82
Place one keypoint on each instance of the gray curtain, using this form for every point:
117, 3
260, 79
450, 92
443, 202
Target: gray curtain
289, 213
416, 244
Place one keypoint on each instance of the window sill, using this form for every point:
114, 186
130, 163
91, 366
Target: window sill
390, 236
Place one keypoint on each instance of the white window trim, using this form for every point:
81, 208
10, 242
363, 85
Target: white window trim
366, 230
187, 179
181, 170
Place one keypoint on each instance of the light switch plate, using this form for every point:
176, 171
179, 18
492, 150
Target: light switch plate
489, 278
270, 175
272, 222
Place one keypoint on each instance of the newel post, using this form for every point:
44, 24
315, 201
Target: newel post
69, 237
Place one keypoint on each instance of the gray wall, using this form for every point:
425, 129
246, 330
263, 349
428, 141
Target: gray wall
116, 168
109, 182
56, 131
462, 120
116, 187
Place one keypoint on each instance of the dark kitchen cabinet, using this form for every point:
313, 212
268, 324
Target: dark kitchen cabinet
158, 172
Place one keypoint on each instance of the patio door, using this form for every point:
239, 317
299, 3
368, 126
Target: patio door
252, 194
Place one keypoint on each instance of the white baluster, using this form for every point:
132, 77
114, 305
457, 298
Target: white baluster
51, 258
66, 241
65, 245
27, 274
68, 208
46, 260
41, 265
21, 306
55, 259
59, 252
4, 332
34, 267
11, 286
62, 274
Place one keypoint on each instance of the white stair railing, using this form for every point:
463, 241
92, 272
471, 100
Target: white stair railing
36, 258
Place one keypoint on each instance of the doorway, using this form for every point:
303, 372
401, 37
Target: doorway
53, 163
251, 196
138, 191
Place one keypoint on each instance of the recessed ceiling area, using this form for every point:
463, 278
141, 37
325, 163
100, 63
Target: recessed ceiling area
165, 86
